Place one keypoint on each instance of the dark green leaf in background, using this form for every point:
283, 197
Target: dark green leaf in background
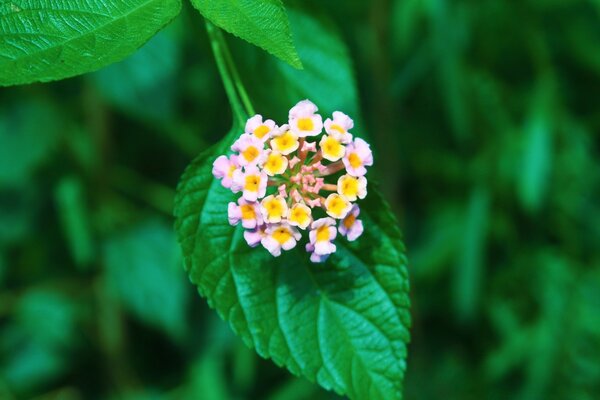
45, 40
343, 324
145, 84
143, 266
263, 23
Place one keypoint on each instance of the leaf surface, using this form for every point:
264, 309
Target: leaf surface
263, 23
45, 40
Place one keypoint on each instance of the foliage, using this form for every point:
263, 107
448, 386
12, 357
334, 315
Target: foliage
482, 116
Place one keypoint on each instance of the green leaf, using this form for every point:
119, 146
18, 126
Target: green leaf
343, 324
45, 40
145, 84
263, 23
328, 77
143, 266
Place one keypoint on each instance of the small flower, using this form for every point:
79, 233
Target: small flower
280, 236
255, 236
285, 142
251, 150
273, 208
275, 163
322, 233
299, 215
337, 206
339, 127
252, 182
247, 212
304, 121
258, 128
351, 227
314, 257
358, 156
223, 168
331, 148
352, 187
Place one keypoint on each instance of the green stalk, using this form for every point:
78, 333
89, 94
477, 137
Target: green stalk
237, 108
236, 77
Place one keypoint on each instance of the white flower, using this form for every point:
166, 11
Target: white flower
251, 150
351, 227
304, 121
255, 236
299, 215
352, 187
258, 128
247, 212
274, 163
252, 182
339, 127
280, 236
358, 156
273, 208
337, 206
223, 168
331, 148
322, 233
285, 141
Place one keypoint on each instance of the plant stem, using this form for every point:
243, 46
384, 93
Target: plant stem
236, 77
226, 75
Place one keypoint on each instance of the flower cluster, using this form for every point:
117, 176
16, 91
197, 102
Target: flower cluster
282, 173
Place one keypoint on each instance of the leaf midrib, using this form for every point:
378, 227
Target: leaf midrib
92, 31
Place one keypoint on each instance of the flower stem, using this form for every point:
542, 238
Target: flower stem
217, 44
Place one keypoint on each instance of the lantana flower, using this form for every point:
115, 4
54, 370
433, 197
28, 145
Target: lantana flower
259, 129
291, 180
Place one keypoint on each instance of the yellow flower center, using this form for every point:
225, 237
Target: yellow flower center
323, 233
261, 131
349, 221
282, 235
250, 153
248, 211
354, 160
332, 148
306, 124
275, 164
299, 215
274, 208
285, 142
336, 204
338, 128
349, 186
252, 182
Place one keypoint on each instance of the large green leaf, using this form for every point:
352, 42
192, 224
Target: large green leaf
343, 324
45, 40
263, 23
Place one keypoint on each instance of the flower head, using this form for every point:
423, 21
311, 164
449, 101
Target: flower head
352, 187
259, 129
273, 208
358, 156
351, 227
322, 234
244, 211
304, 120
339, 126
289, 184
224, 167
252, 182
280, 236
251, 150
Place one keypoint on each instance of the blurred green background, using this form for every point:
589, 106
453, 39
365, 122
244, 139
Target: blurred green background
484, 116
